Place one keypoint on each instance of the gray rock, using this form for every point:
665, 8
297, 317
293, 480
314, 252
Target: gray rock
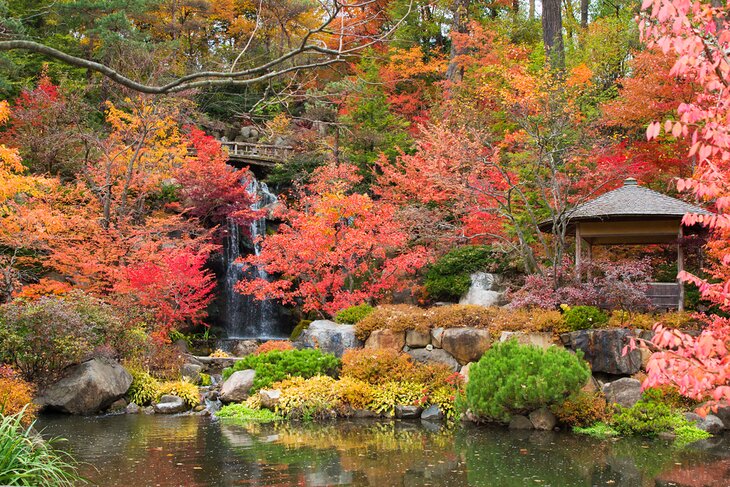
329, 337
542, 340
407, 412
363, 413
133, 408
169, 404
416, 339
432, 413
269, 397
625, 392
464, 372
693, 417
148, 410
87, 388
483, 290
118, 405
236, 388
723, 412
603, 349
667, 436
191, 371
543, 419
466, 344
212, 395
712, 424
520, 422
243, 348
436, 335
435, 356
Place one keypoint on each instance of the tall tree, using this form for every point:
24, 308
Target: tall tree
552, 33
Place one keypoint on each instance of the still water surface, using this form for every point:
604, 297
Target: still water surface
139, 450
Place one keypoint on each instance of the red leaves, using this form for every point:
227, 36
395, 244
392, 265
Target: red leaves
212, 190
174, 285
336, 247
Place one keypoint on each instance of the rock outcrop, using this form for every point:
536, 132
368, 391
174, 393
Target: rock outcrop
87, 388
382, 339
603, 349
625, 392
466, 344
434, 356
329, 337
236, 387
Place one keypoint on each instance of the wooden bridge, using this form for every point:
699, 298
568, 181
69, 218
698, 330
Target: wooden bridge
257, 154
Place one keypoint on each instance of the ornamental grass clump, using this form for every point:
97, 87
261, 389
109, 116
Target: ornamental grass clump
278, 365
27, 459
516, 379
244, 413
144, 388
186, 391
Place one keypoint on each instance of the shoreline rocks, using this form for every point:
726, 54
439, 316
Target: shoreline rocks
329, 337
87, 388
237, 386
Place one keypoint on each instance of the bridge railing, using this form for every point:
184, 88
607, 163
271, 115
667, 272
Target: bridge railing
273, 153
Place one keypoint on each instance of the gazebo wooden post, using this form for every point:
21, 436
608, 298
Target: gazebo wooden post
578, 240
680, 268
589, 256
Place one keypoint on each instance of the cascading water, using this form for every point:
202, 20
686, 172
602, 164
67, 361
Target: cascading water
244, 316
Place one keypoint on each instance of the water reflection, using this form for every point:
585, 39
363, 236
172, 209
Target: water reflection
196, 451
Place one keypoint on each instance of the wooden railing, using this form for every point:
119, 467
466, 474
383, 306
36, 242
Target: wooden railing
261, 153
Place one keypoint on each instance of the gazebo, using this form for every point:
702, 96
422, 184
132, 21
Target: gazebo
633, 215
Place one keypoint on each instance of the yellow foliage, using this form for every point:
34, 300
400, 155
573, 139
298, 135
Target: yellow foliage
16, 394
186, 391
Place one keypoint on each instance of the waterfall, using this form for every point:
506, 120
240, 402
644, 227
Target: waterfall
244, 316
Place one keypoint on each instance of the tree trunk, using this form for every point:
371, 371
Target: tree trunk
460, 11
584, 14
516, 6
552, 33
531, 12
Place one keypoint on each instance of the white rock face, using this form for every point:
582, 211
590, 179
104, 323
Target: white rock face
482, 291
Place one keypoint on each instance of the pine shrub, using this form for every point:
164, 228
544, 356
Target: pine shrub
516, 379
353, 314
584, 318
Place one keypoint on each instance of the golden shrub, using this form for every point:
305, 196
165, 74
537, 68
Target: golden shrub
396, 317
16, 394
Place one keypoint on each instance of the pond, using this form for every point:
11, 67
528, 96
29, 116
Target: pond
188, 451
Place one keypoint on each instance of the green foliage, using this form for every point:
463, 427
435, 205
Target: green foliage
584, 318
599, 430
449, 278
353, 314
688, 433
27, 459
43, 337
144, 388
241, 412
205, 380
186, 391
301, 326
277, 365
649, 417
511, 378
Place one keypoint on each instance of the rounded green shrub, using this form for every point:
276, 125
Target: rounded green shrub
516, 379
584, 318
353, 314
277, 365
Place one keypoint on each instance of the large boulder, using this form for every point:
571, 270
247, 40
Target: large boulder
466, 344
191, 372
269, 398
169, 404
87, 388
380, 339
712, 424
436, 335
435, 356
417, 339
604, 350
520, 422
625, 392
539, 339
483, 291
236, 387
329, 337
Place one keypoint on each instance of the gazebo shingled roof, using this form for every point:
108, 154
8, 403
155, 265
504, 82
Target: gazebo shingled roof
631, 215
632, 200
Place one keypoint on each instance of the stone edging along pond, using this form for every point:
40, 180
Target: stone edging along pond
100, 385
